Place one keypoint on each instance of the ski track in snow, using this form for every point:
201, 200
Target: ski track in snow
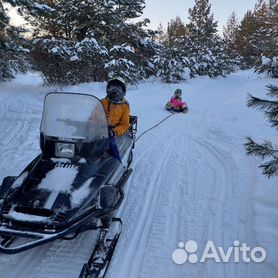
55, 259
173, 202
191, 181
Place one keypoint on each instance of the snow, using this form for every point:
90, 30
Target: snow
191, 181
55, 50
18, 182
60, 160
26, 217
122, 48
43, 7
266, 61
59, 178
74, 58
81, 193
82, 161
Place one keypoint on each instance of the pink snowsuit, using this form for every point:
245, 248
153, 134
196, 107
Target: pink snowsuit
177, 103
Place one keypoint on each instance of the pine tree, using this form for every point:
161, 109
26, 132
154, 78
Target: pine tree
266, 150
175, 29
243, 41
107, 24
265, 38
202, 26
160, 34
171, 65
203, 45
12, 54
230, 36
4, 66
136, 36
231, 28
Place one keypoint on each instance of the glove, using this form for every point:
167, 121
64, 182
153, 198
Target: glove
112, 132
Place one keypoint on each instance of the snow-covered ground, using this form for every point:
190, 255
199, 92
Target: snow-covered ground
191, 180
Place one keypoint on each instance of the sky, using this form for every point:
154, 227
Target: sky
165, 10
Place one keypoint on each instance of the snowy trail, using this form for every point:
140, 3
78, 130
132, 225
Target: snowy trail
55, 259
174, 186
191, 181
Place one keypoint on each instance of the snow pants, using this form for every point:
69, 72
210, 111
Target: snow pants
113, 149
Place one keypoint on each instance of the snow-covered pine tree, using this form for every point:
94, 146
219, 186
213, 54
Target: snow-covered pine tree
171, 65
231, 28
202, 27
206, 46
130, 49
160, 34
230, 36
266, 150
66, 50
125, 32
39, 13
175, 30
107, 24
12, 54
5, 71
120, 63
64, 61
243, 40
265, 38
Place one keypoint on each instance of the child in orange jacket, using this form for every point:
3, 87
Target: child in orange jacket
117, 113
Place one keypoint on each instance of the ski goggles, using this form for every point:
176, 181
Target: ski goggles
115, 92
115, 89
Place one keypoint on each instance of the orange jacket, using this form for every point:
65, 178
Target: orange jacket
117, 115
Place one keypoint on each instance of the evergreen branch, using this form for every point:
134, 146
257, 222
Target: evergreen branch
263, 150
272, 90
270, 168
261, 103
272, 117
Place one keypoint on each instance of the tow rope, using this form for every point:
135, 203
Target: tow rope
153, 127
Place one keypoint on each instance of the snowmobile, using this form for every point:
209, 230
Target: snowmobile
73, 184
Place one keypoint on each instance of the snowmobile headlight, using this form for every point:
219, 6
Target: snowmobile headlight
64, 150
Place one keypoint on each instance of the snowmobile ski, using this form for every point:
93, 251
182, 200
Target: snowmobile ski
100, 259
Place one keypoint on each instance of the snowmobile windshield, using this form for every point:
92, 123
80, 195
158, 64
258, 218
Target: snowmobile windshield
74, 116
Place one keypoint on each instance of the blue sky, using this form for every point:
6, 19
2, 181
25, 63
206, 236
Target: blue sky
165, 10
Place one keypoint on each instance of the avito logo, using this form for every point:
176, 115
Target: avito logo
238, 252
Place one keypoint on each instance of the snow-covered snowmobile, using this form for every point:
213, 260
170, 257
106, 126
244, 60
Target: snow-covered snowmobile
73, 183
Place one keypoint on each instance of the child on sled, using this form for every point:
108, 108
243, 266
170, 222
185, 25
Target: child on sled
176, 104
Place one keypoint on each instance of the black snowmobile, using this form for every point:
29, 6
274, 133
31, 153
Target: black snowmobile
73, 184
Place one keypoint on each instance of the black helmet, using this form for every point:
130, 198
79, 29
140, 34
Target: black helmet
116, 89
178, 93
